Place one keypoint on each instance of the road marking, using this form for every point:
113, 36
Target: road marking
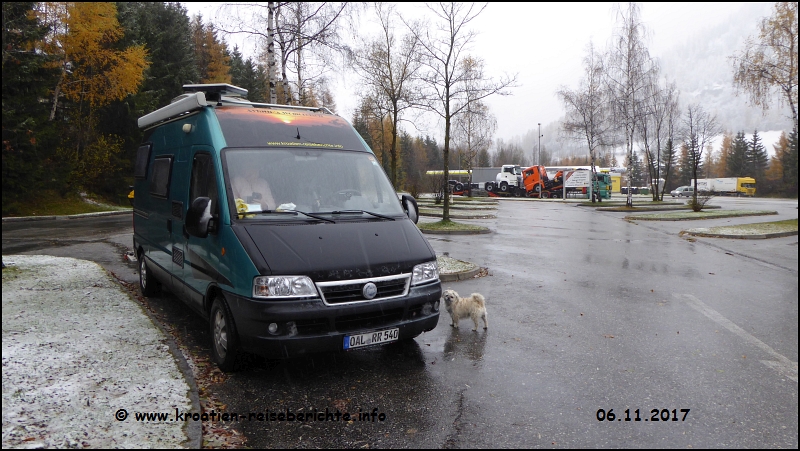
781, 364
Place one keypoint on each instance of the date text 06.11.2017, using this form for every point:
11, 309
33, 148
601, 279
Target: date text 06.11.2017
655, 415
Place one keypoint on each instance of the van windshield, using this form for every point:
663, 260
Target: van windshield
267, 182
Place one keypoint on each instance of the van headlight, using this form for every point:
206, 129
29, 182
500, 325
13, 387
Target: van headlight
283, 287
424, 273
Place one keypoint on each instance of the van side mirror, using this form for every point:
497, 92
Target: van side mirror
198, 218
410, 207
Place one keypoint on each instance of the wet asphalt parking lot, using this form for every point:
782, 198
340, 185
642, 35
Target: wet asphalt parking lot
587, 313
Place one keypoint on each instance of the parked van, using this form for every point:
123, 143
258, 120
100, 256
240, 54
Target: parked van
682, 191
279, 226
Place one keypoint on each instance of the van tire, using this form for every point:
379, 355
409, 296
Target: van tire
224, 337
148, 285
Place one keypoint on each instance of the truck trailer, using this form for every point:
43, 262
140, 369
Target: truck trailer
728, 186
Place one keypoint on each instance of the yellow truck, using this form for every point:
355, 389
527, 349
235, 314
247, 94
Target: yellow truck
730, 186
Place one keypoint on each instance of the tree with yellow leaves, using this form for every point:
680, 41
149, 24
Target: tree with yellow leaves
94, 73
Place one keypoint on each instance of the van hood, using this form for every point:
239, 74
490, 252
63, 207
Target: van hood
340, 251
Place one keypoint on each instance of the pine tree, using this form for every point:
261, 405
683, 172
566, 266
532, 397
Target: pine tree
165, 31
789, 160
360, 123
250, 76
737, 158
669, 159
434, 153
757, 159
637, 170
28, 137
684, 169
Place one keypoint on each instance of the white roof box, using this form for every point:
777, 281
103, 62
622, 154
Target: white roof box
191, 102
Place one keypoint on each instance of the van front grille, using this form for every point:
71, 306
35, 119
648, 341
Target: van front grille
348, 291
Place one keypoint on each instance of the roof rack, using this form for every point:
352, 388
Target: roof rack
232, 101
198, 96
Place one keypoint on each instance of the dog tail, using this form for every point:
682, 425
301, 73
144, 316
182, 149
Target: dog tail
479, 297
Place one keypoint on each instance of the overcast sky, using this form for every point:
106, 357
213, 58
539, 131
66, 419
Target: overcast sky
542, 43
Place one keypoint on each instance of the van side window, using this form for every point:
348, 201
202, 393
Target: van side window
159, 183
204, 180
142, 158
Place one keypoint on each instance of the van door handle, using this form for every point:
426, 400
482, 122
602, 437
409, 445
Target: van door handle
169, 225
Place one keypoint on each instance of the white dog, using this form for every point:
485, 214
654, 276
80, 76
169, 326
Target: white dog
472, 307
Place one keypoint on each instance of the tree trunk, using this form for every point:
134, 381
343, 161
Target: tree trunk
393, 150
56, 94
271, 66
446, 155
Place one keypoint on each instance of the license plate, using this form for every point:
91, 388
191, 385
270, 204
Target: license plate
371, 338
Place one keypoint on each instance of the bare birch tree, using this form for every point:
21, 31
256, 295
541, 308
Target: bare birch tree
666, 115
272, 65
699, 127
628, 72
660, 107
303, 32
472, 132
587, 114
389, 68
451, 78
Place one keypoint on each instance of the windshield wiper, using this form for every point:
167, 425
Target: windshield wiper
344, 212
293, 212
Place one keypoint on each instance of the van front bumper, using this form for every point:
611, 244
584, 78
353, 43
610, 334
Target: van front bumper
310, 326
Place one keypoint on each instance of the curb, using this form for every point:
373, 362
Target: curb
456, 232
455, 277
743, 237
101, 213
78, 216
486, 216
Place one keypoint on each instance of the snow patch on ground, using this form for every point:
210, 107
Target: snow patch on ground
76, 349
449, 265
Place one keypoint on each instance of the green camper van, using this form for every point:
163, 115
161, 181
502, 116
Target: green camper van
278, 225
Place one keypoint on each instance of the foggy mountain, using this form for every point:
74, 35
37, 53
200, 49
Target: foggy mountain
702, 70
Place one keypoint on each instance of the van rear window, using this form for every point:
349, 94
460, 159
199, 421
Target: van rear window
265, 127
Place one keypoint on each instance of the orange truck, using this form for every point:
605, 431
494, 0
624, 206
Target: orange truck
534, 182
531, 182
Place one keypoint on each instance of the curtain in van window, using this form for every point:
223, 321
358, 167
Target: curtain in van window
204, 180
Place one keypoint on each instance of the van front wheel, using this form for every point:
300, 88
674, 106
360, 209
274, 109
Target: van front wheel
225, 340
